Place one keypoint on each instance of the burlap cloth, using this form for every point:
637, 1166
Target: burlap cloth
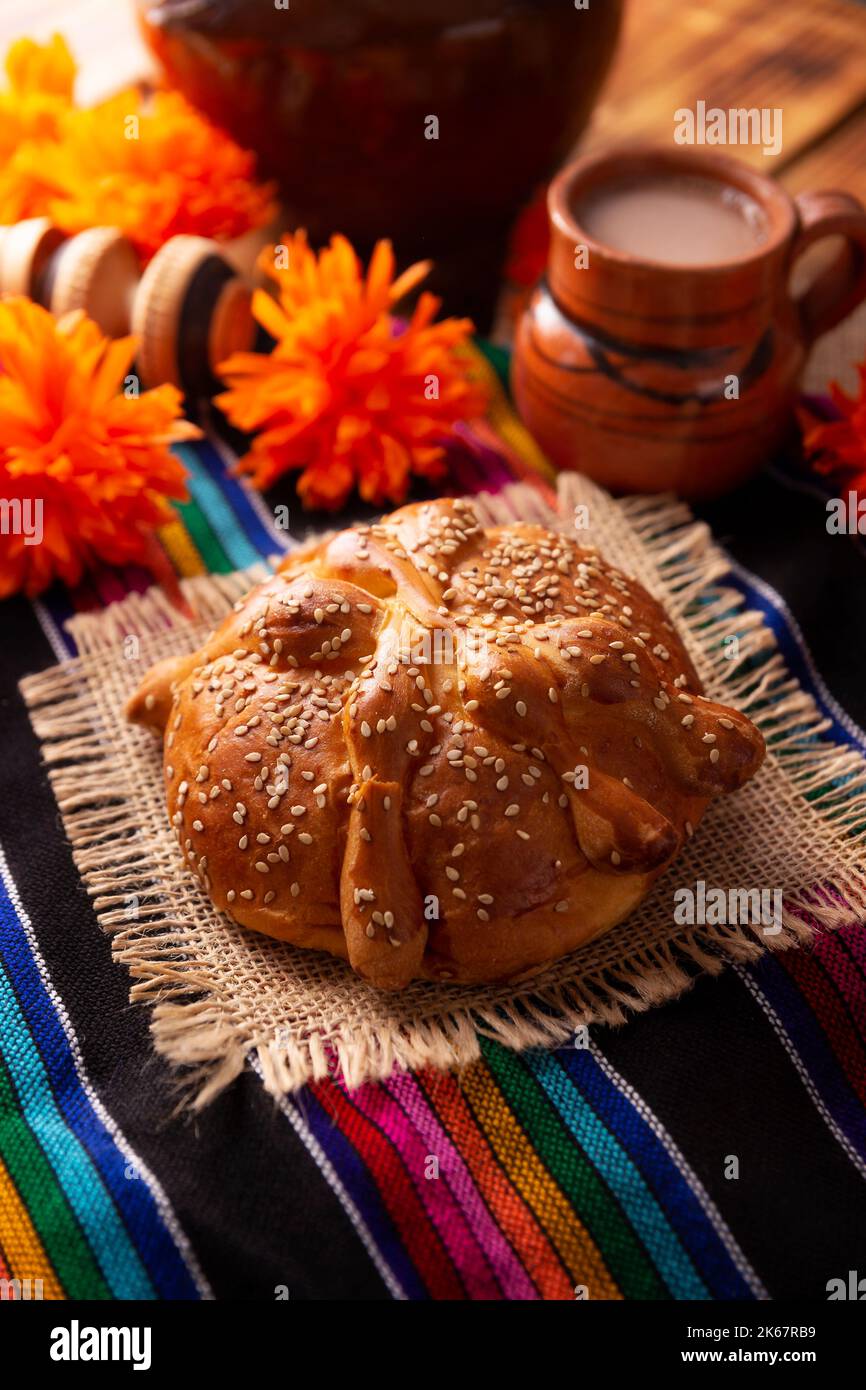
220, 993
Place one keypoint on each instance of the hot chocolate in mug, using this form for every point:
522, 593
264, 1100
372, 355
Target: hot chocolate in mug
664, 348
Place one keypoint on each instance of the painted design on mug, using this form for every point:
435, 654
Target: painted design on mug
623, 362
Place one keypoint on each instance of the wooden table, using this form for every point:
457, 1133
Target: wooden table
806, 56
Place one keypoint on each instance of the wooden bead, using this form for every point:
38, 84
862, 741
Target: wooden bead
25, 250
190, 312
97, 271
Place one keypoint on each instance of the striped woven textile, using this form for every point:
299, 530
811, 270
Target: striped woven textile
711, 1149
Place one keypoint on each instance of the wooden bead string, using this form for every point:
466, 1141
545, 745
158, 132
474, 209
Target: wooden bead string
189, 308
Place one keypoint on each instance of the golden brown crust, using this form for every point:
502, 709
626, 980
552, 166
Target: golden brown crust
440, 751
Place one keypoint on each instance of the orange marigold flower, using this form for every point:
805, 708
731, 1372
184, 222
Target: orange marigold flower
840, 445
177, 173
348, 395
85, 468
32, 108
151, 166
41, 69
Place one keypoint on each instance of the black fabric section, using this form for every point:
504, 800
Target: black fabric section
780, 533
713, 1070
252, 1202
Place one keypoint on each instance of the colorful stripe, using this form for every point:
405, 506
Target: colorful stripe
812, 1000
42, 1190
763, 598
215, 505
510, 1277
611, 1160
686, 1227
576, 1176
568, 1237
397, 1186
526, 1178
391, 1263
696, 1217
249, 510
24, 1254
180, 549
106, 1230
445, 1097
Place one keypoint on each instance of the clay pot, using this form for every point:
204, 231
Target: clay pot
337, 99
623, 368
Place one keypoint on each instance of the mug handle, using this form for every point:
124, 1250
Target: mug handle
842, 286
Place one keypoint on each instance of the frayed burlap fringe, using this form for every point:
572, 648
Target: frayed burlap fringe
220, 994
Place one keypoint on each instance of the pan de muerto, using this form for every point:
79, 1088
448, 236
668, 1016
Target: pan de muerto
438, 749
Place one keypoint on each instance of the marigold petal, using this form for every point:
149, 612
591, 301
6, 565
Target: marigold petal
97, 464
34, 67
344, 389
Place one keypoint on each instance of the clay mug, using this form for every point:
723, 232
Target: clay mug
649, 375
